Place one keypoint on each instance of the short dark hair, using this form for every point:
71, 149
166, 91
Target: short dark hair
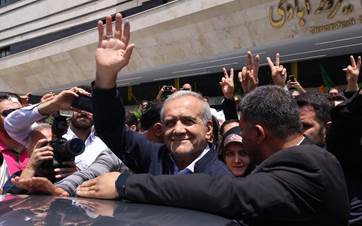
131, 119
273, 107
319, 102
151, 116
222, 127
8, 95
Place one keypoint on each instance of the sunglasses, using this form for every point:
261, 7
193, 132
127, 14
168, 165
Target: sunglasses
8, 111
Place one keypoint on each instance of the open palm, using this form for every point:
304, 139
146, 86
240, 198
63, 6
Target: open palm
113, 52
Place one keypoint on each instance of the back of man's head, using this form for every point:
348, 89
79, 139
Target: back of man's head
151, 116
274, 108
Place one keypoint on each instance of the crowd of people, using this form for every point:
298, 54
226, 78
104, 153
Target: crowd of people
280, 155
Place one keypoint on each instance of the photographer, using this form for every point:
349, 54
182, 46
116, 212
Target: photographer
80, 124
164, 92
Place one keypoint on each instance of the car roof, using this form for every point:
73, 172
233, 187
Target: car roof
51, 210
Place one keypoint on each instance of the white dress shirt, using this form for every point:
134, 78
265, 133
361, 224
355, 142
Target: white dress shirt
20, 123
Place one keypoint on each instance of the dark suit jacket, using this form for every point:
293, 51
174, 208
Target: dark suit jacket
302, 185
139, 154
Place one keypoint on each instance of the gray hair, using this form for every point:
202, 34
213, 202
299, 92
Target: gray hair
206, 112
274, 108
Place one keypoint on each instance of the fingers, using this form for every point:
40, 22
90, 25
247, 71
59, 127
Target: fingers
257, 61
101, 35
88, 183
225, 72
109, 31
41, 143
270, 62
128, 52
231, 74
250, 60
64, 172
353, 62
118, 26
126, 33
277, 59
87, 193
359, 62
88, 189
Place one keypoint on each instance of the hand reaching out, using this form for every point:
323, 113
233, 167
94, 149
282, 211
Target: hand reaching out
248, 76
278, 72
38, 185
114, 51
227, 84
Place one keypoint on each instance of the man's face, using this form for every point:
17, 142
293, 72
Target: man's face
82, 120
4, 106
312, 128
236, 159
249, 136
185, 132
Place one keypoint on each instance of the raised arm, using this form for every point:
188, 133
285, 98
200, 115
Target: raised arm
113, 54
227, 87
352, 74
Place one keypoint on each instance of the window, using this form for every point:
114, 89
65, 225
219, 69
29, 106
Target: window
4, 51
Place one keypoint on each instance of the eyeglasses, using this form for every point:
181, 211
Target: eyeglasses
8, 111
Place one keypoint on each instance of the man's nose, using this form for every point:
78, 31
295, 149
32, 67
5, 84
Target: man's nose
179, 127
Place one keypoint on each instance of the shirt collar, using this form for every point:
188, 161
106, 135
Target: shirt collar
70, 135
191, 167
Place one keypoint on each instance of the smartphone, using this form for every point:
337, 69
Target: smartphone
84, 103
292, 78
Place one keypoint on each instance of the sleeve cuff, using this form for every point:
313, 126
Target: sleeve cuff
121, 184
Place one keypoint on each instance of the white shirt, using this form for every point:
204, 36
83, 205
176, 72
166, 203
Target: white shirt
191, 167
4, 174
93, 147
19, 125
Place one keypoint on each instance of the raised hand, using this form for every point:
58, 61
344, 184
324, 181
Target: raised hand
61, 101
227, 84
352, 74
114, 51
248, 76
278, 72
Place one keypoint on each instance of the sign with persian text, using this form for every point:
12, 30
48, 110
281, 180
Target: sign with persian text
330, 14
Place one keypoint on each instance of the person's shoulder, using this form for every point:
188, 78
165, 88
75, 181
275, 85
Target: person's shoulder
210, 164
308, 156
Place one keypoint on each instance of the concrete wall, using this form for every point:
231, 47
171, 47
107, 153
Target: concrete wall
180, 31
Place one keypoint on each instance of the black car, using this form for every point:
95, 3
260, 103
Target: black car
19, 210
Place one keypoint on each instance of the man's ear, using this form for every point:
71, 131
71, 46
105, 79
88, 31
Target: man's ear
261, 133
209, 130
158, 129
133, 128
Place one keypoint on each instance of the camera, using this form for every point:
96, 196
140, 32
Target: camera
64, 150
84, 103
168, 90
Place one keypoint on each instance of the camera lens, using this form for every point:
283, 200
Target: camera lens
75, 146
